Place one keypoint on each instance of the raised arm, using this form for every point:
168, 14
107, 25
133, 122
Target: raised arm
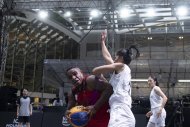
106, 55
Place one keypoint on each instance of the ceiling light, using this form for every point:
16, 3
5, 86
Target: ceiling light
78, 9
150, 12
181, 11
124, 12
95, 13
183, 80
60, 11
67, 14
180, 37
149, 38
43, 14
139, 80
36, 9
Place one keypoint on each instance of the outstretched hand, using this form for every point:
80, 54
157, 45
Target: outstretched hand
148, 114
91, 110
67, 113
104, 35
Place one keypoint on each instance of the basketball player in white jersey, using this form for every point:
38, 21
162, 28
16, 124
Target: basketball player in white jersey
157, 102
120, 101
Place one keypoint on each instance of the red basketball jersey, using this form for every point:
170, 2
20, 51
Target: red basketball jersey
87, 98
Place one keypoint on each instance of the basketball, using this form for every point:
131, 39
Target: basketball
78, 116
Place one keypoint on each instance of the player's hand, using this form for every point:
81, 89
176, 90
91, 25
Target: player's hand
30, 113
67, 113
17, 114
159, 113
67, 116
148, 114
104, 35
91, 110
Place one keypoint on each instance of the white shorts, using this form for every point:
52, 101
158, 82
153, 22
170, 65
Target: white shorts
158, 121
121, 116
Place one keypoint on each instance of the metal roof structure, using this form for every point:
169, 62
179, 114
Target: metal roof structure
81, 21
162, 39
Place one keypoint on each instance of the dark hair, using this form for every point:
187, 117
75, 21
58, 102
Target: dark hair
24, 89
155, 79
21, 91
127, 54
68, 69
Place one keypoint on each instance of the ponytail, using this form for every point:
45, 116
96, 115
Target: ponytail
129, 54
132, 54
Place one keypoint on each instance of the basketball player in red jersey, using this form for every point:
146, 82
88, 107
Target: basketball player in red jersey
93, 93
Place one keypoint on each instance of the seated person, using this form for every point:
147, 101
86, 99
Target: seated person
57, 101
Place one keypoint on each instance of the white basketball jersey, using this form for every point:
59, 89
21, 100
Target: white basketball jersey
155, 99
121, 84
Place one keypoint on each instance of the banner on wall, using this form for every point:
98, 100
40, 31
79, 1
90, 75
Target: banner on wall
13, 124
9, 119
57, 119
65, 122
